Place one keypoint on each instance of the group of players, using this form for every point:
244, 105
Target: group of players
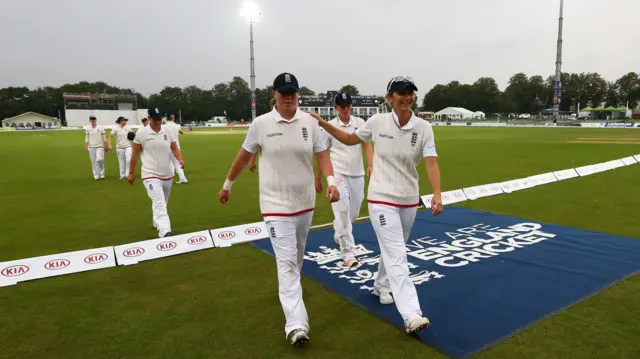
288, 139
159, 149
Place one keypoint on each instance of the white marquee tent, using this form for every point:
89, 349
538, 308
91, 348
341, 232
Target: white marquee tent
454, 113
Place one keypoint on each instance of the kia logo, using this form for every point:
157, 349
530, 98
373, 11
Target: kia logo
252, 231
14, 271
57, 264
196, 240
226, 235
133, 252
166, 246
96, 258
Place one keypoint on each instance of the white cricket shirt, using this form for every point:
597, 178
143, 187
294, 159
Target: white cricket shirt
346, 160
95, 136
398, 151
285, 168
121, 136
156, 153
174, 128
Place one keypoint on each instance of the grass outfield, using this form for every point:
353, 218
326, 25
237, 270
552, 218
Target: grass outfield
223, 303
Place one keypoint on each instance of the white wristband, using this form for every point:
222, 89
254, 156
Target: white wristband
227, 184
331, 181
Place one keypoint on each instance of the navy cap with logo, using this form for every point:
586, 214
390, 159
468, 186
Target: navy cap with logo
401, 83
119, 119
154, 112
144, 119
286, 83
343, 99
92, 117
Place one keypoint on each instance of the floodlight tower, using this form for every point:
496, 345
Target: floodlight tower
557, 86
250, 12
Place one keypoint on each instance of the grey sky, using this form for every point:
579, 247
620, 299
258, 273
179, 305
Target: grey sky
146, 44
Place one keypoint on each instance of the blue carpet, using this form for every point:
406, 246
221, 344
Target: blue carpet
481, 277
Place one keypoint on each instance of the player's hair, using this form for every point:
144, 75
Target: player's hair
272, 102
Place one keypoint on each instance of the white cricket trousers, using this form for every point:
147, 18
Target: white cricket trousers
179, 169
96, 154
159, 190
289, 239
393, 227
124, 158
346, 211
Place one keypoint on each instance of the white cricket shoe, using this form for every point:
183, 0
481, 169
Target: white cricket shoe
298, 337
385, 296
417, 325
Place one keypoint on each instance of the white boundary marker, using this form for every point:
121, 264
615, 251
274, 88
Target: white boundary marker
16, 271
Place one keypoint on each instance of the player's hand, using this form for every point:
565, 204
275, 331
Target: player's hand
224, 195
369, 171
318, 184
436, 205
181, 162
316, 116
332, 194
131, 178
252, 166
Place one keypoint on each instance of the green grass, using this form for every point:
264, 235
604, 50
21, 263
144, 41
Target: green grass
223, 303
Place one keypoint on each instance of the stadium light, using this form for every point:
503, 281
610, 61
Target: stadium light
250, 13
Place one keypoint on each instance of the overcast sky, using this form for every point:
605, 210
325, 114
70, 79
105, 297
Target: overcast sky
147, 44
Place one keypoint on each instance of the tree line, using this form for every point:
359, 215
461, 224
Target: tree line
533, 94
232, 99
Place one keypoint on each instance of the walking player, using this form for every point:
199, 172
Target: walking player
123, 145
287, 140
145, 122
95, 142
349, 172
176, 131
156, 146
401, 140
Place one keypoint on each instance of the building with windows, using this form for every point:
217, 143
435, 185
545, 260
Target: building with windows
322, 104
31, 120
105, 107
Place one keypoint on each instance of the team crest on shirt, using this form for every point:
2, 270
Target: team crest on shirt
414, 139
165, 138
305, 134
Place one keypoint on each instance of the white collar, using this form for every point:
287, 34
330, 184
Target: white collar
342, 124
412, 121
279, 117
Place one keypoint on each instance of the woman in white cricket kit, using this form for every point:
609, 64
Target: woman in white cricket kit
401, 140
349, 172
287, 140
95, 142
123, 145
156, 146
176, 130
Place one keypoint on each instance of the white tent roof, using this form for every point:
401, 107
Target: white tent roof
454, 110
13, 119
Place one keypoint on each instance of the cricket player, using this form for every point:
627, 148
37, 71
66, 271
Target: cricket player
156, 146
95, 142
176, 131
287, 139
123, 145
402, 140
349, 172
145, 122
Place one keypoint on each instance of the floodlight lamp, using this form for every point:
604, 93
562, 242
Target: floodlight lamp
250, 12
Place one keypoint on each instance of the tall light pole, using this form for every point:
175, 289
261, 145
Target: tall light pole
250, 12
557, 86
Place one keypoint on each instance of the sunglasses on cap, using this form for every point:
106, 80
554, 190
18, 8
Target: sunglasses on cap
399, 79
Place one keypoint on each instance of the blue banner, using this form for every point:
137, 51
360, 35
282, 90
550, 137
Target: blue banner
480, 277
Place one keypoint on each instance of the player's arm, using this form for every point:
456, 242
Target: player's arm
135, 153
86, 141
177, 153
368, 152
104, 140
109, 139
433, 171
252, 162
250, 147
